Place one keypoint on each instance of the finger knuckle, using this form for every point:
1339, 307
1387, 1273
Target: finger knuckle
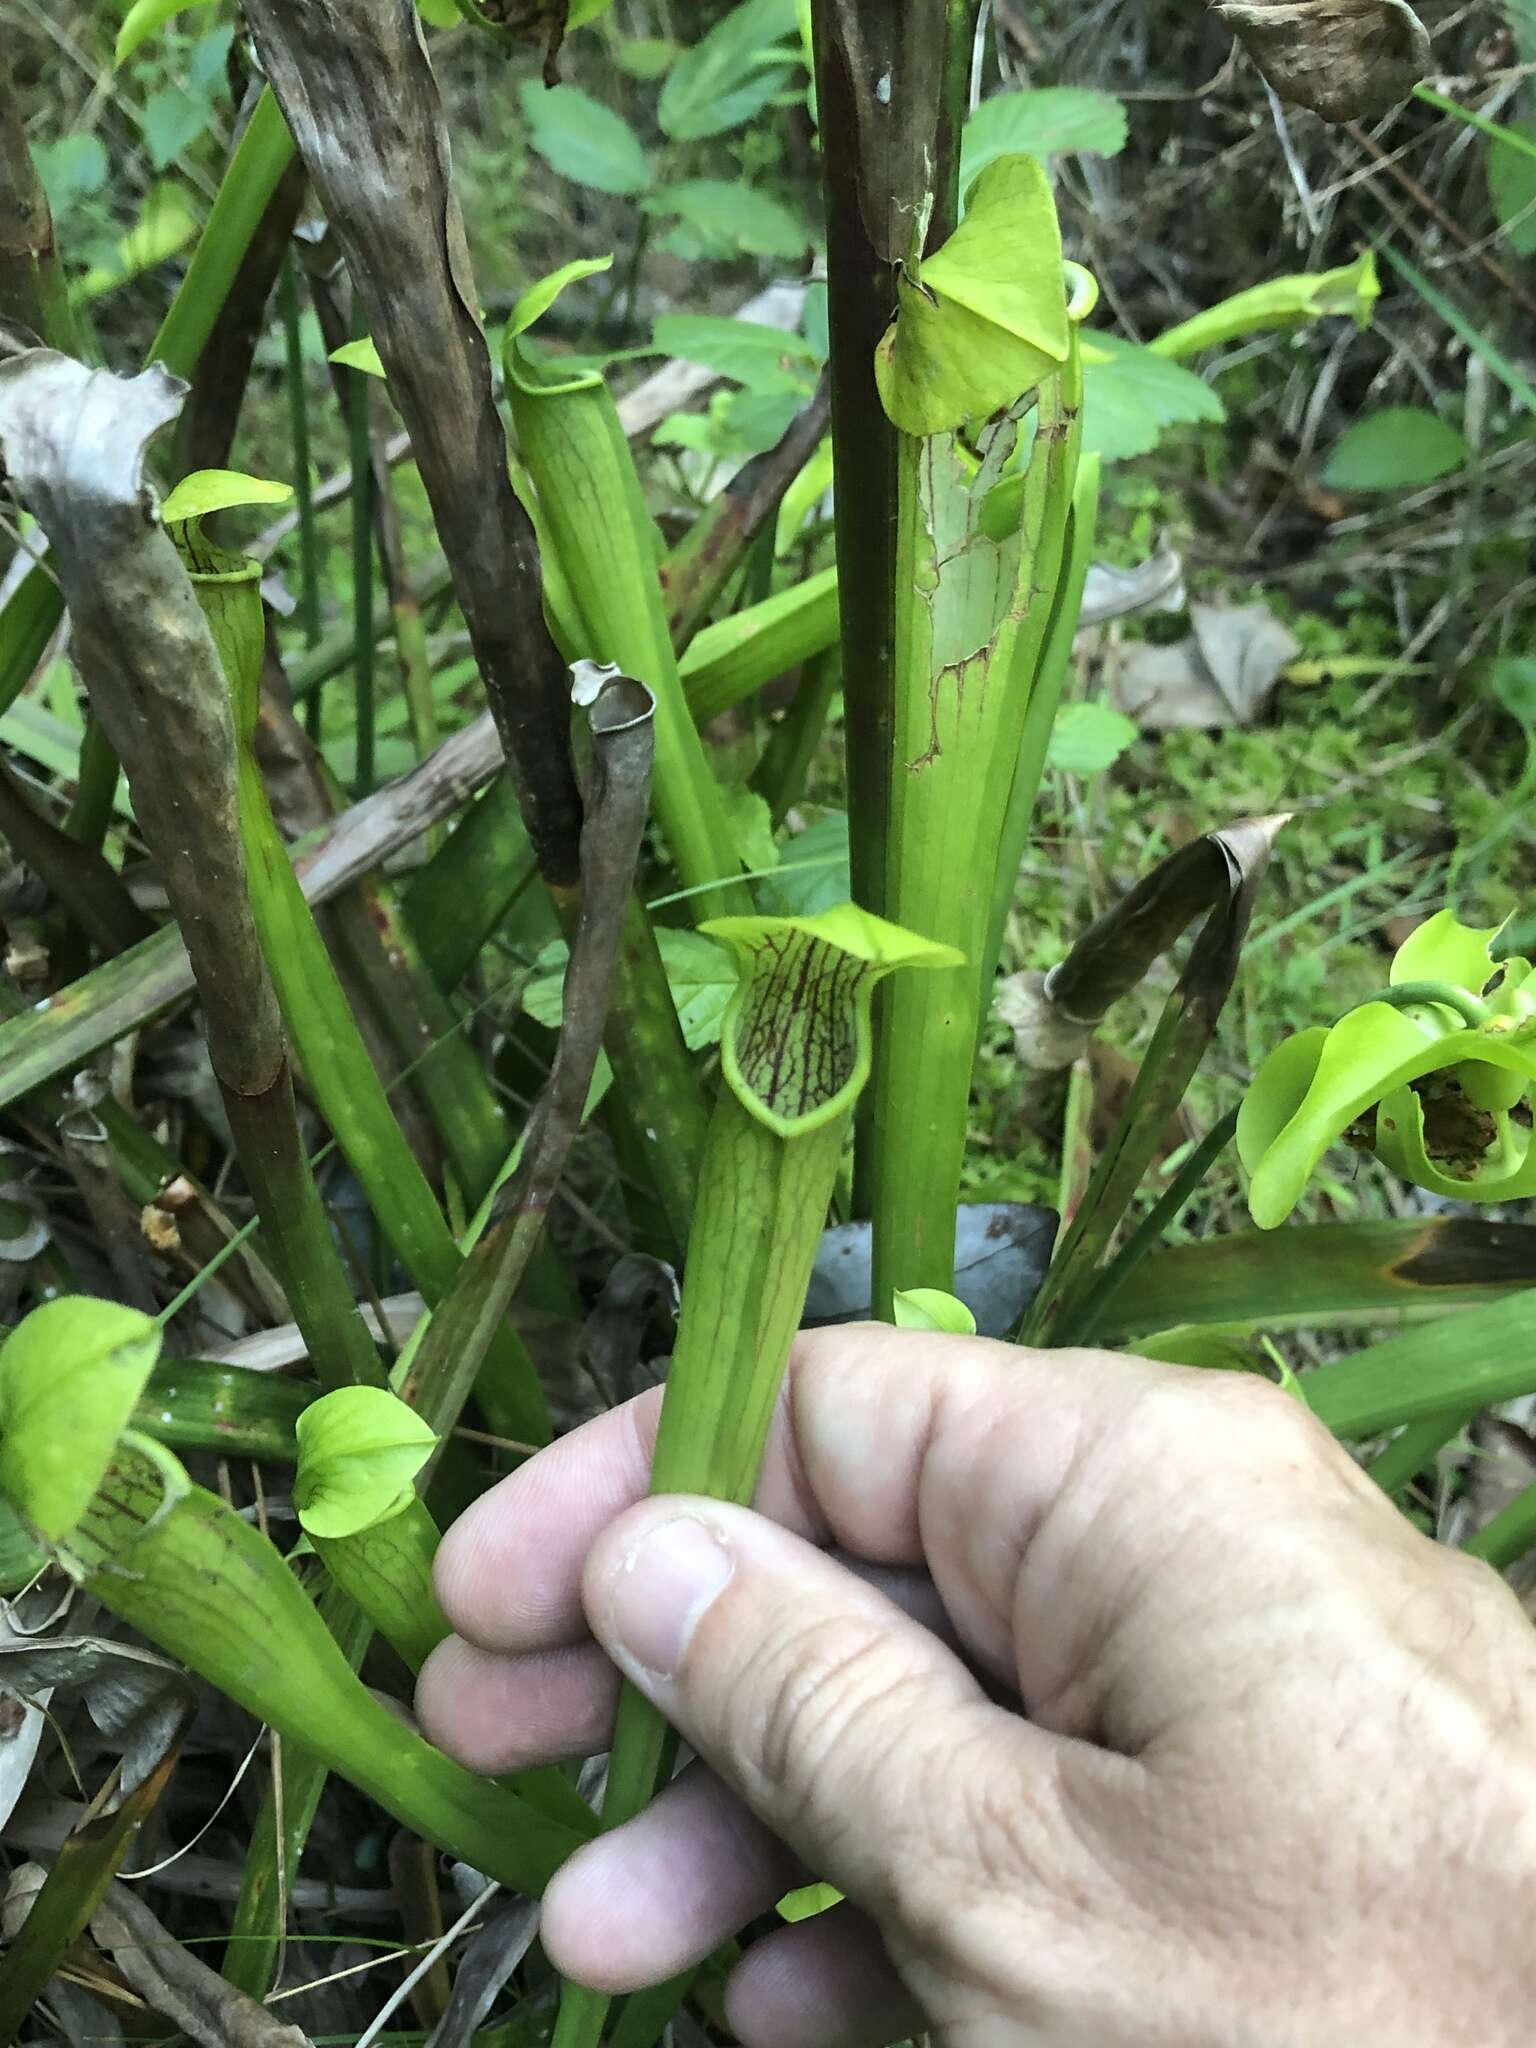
811, 1703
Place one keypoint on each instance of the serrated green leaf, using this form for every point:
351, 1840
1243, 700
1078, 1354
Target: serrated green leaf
142, 20
744, 351
751, 824
359, 1450
988, 317
1394, 449
930, 1308
1088, 738
813, 870
700, 974
70, 1374
732, 218
204, 491
1045, 121
583, 140
1131, 395
795, 1050
730, 74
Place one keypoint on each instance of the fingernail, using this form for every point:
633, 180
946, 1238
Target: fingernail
662, 1590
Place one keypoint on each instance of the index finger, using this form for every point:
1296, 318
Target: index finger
852, 1426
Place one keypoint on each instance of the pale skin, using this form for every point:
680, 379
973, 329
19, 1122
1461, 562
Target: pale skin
1124, 1709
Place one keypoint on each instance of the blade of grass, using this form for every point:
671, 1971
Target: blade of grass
1449, 1366
76, 1884
1326, 1276
1489, 353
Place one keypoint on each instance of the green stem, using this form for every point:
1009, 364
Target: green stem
260, 158
362, 577
1404, 995
1044, 700
90, 815
298, 429
1512, 1532
1414, 1447
1081, 1313
762, 1202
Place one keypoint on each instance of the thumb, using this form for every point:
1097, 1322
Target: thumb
849, 1729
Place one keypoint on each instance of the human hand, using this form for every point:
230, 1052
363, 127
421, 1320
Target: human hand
1277, 1783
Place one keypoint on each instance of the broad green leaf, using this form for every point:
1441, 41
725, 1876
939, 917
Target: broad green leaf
1512, 189
1130, 395
730, 74
813, 872
1394, 449
583, 140
699, 973
988, 317
141, 21
751, 825
439, 13
70, 1374
71, 169
1281, 302
796, 1046
930, 1308
362, 354
204, 491
744, 351
165, 225
1088, 738
1444, 949
1047, 121
359, 1450
172, 120
646, 57
731, 218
